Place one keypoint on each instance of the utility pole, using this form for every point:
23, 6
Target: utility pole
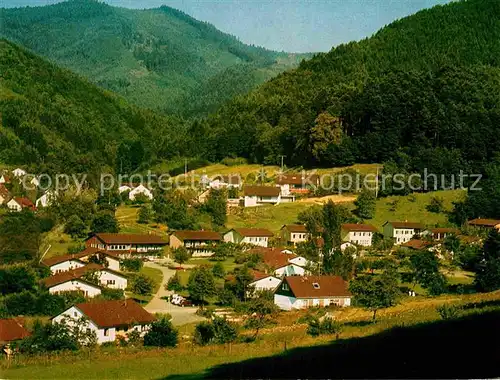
376, 185
185, 168
282, 157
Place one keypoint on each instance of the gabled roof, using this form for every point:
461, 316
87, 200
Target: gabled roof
358, 227
479, 222
408, 225
416, 244
110, 238
24, 202
299, 228
198, 235
253, 232
115, 313
444, 230
273, 257
262, 191
77, 274
63, 258
327, 286
12, 329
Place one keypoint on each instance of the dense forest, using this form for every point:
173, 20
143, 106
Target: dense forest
156, 58
424, 91
53, 120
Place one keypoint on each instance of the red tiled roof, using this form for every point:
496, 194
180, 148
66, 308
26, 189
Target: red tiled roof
297, 179
3, 191
329, 286
409, 225
110, 238
24, 202
416, 244
358, 227
115, 313
259, 275
295, 227
198, 235
11, 330
484, 222
444, 230
273, 257
89, 251
254, 232
77, 273
262, 191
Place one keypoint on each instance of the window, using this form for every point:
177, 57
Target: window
75, 314
110, 282
315, 285
106, 332
285, 286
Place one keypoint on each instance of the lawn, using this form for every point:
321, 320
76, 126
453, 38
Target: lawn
155, 275
58, 241
188, 361
127, 218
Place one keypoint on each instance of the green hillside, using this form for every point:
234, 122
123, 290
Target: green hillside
423, 91
55, 120
157, 58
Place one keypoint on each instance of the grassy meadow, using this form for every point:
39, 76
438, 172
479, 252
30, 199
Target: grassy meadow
284, 339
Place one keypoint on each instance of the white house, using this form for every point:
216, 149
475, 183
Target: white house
17, 204
46, 199
359, 234
198, 243
402, 232
295, 183
4, 178
124, 188
312, 291
127, 245
141, 189
282, 262
293, 234
261, 195
87, 288
255, 236
108, 319
18, 172
264, 282
63, 263
225, 181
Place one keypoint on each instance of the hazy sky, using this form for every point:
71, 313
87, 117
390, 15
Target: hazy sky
290, 25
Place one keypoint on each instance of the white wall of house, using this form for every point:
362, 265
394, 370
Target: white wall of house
45, 200
267, 283
3, 179
113, 263
141, 189
300, 261
112, 280
363, 238
76, 285
19, 172
253, 200
250, 201
12, 205
289, 302
124, 188
403, 235
66, 266
234, 237
290, 270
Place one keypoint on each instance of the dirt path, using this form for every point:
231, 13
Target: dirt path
333, 198
180, 315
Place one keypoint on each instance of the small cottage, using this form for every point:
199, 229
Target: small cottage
255, 236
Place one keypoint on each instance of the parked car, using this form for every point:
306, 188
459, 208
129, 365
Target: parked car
186, 302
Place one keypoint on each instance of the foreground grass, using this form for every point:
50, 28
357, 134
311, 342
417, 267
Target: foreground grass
143, 363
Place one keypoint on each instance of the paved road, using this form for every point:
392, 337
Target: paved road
180, 315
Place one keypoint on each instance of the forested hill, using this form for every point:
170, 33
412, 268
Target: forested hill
157, 58
55, 121
426, 87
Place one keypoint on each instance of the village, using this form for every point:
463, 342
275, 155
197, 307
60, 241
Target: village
242, 276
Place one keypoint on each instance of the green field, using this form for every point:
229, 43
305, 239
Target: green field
193, 361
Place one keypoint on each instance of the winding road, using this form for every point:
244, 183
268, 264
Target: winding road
180, 315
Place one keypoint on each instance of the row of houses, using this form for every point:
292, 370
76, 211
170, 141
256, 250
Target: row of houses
109, 320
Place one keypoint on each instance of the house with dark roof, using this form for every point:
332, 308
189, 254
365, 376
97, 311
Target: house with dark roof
18, 204
261, 195
401, 232
359, 234
440, 233
417, 244
225, 181
128, 245
295, 183
312, 291
485, 223
281, 262
78, 280
255, 236
292, 234
108, 319
198, 243
11, 330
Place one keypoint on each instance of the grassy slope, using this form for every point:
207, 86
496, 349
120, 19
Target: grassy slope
147, 364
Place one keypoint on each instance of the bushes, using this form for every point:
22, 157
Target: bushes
16, 279
229, 161
174, 283
326, 326
218, 270
162, 334
112, 294
142, 284
217, 331
132, 265
447, 312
